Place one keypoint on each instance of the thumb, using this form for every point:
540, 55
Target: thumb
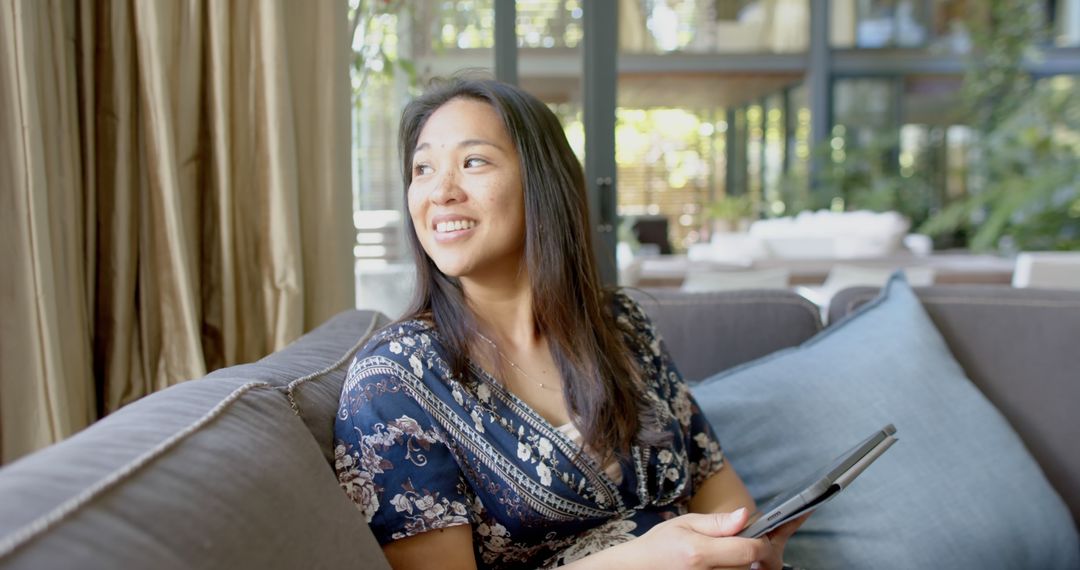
717, 524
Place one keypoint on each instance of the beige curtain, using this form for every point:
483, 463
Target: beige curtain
174, 196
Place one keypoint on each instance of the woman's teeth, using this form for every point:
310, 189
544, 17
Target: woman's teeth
454, 226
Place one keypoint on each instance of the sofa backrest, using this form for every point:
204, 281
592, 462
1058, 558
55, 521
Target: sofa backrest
1021, 347
709, 332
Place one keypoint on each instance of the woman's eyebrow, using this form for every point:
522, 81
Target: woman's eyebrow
464, 143
478, 142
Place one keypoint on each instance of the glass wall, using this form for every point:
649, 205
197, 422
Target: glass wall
397, 45
897, 143
711, 26
549, 23
438, 27
549, 34
795, 183
1064, 22
692, 130
670, 164
774, 153
940, 25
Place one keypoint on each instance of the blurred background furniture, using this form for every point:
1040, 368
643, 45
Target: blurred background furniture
721, 280
832, 235
653, 230
843, 276
1048, 270
948, 268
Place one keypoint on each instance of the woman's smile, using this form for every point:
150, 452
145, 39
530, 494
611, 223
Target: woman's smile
452, 229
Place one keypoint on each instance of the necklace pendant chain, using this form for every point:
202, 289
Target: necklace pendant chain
512, 363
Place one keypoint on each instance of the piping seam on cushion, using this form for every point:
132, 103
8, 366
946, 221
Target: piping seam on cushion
59, 513
290, 389
1041, 303
930, 300
801, 302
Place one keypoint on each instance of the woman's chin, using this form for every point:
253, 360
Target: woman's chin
453, 269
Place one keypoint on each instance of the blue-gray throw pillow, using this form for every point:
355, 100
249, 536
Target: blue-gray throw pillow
958, 490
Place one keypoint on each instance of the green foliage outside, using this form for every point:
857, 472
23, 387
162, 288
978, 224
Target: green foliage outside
1028, 169
865, 176
1024, 171
375, 44
732, 209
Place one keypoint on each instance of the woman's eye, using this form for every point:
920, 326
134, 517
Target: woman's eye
421, 169
474, 162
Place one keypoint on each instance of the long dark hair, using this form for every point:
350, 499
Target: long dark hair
603, 388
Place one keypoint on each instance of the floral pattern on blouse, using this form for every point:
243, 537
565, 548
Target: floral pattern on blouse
417, 449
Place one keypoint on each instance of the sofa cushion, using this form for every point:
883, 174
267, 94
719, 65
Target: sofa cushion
708, 332
1019, 347
958, 490
205, 474
311, 371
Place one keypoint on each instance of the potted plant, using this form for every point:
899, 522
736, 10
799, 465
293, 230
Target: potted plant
730, 213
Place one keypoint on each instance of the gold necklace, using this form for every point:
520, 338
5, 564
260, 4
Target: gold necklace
513, 364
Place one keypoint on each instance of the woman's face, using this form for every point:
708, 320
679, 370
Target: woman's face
466, 198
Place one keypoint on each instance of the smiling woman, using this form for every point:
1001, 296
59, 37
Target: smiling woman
520, 415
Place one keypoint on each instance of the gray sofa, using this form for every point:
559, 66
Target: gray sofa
232, 471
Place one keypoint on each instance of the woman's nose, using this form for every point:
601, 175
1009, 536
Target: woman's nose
447, 190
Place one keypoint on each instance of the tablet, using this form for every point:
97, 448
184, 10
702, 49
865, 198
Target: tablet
821, 487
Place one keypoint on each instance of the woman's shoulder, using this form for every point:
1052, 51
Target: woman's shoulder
389, 340
398, 345
403, 355
629, 314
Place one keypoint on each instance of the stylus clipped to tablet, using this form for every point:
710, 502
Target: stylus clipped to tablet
822, 486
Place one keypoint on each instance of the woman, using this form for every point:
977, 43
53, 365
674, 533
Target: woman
520, 415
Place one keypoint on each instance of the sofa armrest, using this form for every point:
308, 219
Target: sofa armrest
311, 371
205, 474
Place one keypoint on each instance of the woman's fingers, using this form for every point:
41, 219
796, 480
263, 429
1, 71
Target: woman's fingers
777, 540
714, 544
716, 524
704, 541
730, 552
783, 532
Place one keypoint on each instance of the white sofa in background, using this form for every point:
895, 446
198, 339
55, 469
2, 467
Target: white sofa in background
832, 235
811, 235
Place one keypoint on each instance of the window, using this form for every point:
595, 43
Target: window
936, 24
709, 26
395, 46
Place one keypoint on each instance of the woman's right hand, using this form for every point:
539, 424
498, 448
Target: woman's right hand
689, 541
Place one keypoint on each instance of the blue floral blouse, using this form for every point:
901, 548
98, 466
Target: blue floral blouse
418, 450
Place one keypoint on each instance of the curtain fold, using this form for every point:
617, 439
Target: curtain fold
47, 388
323, 149
175, 196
